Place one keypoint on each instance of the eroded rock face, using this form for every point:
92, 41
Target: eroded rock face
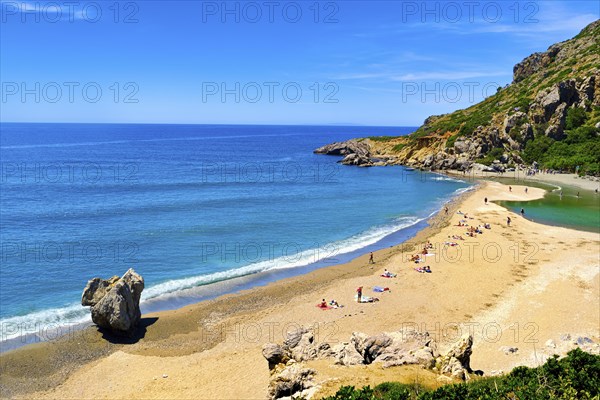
292, 380
355, 152
275, 354
456, 362
344, 148
403, 347
115, 303
535, 62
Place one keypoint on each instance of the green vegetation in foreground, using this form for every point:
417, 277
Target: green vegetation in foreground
576, 376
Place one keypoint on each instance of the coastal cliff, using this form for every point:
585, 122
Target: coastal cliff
549, 115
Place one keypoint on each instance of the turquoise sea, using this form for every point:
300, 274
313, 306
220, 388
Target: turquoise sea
575, 208
197, 210
201, 210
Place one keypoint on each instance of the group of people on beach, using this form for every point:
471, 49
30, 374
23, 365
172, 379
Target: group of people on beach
472, 231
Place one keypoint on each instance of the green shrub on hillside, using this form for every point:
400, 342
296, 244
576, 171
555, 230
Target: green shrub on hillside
575, 118
576, 376
580, 148
383, 138
489, 158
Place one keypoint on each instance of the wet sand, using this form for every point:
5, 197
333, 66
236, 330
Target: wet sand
514, 286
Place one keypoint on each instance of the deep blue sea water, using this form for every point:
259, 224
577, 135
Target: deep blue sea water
186, 206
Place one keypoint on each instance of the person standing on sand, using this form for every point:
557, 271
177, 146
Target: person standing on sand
485, 200
371, 260
507, 221
522, 212
359, 294
525, 190
446, 210
510, 188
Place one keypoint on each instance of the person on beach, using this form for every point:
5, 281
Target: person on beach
510, 188
577, 194
323, 304
526, 190
371, 260
485, 200
508, 221
522, 212
446, 210
359, 294
388, 274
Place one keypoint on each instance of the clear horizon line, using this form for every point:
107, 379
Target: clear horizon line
215, 124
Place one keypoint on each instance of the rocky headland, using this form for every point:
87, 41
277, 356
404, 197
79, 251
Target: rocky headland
552, 93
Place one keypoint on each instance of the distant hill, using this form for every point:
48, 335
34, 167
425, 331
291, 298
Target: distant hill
549, 114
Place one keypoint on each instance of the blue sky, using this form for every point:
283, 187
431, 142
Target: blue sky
280, 62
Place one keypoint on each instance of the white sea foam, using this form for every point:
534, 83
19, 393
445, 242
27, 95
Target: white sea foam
45, 323
40, 323
446, 179
298, 259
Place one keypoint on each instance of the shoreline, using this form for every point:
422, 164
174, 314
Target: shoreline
203, 332
101, 347
190, 296
559, 180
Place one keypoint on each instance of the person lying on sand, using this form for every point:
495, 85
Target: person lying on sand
487, 226
424, 269
335, 304
367, 299
416, 258
388, 274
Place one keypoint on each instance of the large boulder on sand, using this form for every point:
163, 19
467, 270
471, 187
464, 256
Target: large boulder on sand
115, 302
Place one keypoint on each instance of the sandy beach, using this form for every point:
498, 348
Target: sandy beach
559, 180
517, 286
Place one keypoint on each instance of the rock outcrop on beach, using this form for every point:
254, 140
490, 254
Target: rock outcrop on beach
405, 347
115, 302
547, 89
